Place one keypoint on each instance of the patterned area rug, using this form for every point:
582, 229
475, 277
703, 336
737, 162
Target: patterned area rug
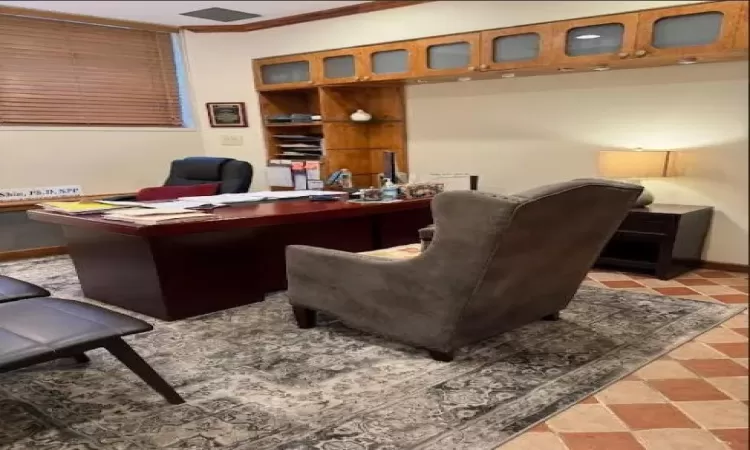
253, 380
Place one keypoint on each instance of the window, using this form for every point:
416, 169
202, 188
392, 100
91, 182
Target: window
69, 73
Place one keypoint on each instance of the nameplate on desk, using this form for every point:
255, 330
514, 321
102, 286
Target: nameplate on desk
36, 193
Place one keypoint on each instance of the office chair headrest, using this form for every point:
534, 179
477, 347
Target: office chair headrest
200, 168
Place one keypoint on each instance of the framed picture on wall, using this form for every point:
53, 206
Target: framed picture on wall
227, 115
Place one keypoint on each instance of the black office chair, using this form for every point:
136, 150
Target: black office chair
232, 175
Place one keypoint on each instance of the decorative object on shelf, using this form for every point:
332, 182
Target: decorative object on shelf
360, 116
390, 190
633, 166
421, 190
372, 195
345, 180
227, 115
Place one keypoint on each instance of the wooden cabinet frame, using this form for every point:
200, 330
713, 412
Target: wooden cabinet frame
367, 53
259, 63
422, 54
647, 20
359, 66
741, 35
545, 32
560, 33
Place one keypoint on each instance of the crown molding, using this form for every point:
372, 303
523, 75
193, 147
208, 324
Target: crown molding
350, 10
92, 20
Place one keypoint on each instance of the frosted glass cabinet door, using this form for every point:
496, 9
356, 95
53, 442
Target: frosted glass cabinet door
516, 48
596, 40
388, 61
283, 72
339, 66
448, 55
689, 30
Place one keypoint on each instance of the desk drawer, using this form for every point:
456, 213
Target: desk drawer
651, 223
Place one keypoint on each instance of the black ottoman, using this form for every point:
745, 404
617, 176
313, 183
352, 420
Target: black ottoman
12, 289
42, 329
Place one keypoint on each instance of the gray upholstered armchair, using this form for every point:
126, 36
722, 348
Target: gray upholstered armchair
495, 263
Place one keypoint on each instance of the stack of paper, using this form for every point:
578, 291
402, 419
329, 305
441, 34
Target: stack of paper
76, 208
155, 216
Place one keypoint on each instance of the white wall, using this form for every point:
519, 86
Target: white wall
519, 133
102, 161
522, 132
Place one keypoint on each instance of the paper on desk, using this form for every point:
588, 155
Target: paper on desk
279, 175
170, 204
226, 199
281, 195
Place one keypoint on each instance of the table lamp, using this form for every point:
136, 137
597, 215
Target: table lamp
633, 166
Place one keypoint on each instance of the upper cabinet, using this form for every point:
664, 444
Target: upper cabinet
339, 66
688, 30
516, 48
285, 72
393, 61
448, 55
594, 41
705, 31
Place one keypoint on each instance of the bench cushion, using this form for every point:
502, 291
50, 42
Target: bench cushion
12, 289
44, 327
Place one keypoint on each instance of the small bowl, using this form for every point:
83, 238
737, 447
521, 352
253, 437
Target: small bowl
372, 195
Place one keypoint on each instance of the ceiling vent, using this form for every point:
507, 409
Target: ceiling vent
220, 14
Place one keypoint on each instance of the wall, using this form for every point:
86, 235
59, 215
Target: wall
102, 161
519, 133
221, 70
522, 132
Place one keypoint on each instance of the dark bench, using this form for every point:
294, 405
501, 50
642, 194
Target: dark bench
12, 289
36, 330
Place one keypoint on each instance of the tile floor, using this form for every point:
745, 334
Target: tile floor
694, 398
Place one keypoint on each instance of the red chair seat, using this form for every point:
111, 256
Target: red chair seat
174, 192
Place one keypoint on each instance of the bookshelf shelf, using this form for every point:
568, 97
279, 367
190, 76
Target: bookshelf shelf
357, 146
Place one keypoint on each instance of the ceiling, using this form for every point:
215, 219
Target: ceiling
168, 12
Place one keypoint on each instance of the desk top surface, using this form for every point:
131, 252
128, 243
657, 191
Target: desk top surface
258, 214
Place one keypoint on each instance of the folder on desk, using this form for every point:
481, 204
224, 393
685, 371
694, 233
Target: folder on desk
299, 175
279, 174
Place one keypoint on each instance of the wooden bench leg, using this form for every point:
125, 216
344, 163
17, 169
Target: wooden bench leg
81, 358
123, 352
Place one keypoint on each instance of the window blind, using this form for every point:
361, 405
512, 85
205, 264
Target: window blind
66, 73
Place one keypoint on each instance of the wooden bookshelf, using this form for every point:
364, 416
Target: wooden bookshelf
357, 146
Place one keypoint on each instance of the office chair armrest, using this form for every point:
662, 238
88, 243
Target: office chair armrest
121, 198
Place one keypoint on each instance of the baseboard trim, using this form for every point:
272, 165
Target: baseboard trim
38, 252
728, 267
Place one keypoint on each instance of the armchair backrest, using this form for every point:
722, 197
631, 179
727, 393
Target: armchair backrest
232, 175
524, 256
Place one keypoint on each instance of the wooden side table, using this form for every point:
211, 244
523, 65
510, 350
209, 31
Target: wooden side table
663, 240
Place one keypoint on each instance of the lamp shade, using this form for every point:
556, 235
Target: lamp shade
633, 164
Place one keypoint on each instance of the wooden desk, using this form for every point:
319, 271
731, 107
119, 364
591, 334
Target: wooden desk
179, 270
